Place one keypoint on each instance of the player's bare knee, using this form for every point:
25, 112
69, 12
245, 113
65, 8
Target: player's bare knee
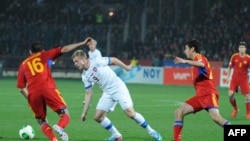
130, 113
231, 94
247, 96
98, 118
216, 118
178, 113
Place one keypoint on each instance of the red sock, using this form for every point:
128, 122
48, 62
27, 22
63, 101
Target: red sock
63, 121
177, 133
233, 103
47, 131
177, 130
248, 107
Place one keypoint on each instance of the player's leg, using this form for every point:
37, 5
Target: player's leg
103, 106
245, 90
210, 103
38, 107
217, 118
62, 123
56, 102
139, 119
126, 103
182, 111
113, 107
247, 96
46, 129
231, 94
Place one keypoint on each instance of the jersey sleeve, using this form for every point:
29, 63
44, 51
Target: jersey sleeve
54, 53
21, 80
86, 83
231, 64
103, 61
200, 58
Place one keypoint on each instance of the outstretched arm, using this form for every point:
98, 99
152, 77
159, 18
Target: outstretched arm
70, 47
190, 62
228, 74
118, 62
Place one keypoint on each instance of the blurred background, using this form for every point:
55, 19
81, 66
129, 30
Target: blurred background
151, 31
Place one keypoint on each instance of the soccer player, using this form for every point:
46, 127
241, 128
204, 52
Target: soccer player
93, 51
206, 97
96, 53
37, 85
240, 63
114, 89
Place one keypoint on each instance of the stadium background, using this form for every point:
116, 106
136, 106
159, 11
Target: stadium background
151, 31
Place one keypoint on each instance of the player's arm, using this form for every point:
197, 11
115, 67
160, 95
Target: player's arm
21, 82
228, 73
88, 99
70, 47
190, 62
24, 92
116, 61
230, 66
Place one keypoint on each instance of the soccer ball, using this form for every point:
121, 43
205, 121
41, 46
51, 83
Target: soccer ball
27, 132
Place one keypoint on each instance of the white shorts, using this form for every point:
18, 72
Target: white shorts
121, 96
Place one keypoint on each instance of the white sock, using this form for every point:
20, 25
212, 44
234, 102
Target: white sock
142, 122
107, 124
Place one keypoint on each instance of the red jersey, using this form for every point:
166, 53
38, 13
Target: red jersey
240, 65
203, 77
35, 71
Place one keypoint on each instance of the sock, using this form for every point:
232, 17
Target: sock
233, 103
177, 129
107, 124
47, 131
63, 121
143, 123
248, 106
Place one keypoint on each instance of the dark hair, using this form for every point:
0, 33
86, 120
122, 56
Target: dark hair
243, 43
195, 44
36, 47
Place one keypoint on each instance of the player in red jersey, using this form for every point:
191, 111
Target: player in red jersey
206, 96
240, 63
37, 85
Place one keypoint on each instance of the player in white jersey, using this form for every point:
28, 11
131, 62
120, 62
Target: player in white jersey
93, 51
96, 53
114, 89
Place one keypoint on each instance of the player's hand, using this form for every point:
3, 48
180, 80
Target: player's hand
87, 40
179, 60
129, 67
228, 80
83, 117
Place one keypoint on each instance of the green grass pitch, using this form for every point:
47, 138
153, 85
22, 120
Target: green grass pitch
156, 103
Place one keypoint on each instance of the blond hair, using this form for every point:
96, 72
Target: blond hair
79, 53
94, 41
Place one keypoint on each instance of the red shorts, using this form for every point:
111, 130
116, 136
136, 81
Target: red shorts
243, 84
203, 102
46, 97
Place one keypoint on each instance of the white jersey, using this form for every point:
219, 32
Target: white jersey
94, 54
99, 72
